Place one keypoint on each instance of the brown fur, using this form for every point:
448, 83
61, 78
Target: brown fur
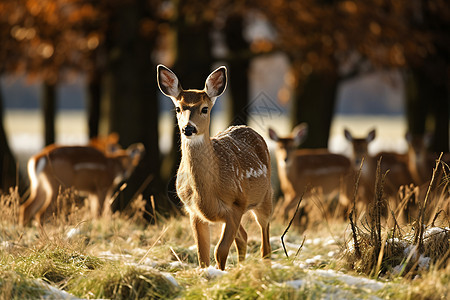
326, 173
219, 178
85, 168
396, 165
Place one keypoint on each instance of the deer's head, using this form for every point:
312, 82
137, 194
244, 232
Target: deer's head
193, 107
418, 145
287, 144
360, 145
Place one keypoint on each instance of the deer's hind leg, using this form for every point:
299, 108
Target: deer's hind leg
241, 243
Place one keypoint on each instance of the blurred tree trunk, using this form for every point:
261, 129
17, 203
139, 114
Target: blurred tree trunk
239, 65
49, 110
93, 102
9, 176
314, 104
428, 80
192, 67
428, 103
133, 106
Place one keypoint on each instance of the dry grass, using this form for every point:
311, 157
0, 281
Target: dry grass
380, 247
122, 257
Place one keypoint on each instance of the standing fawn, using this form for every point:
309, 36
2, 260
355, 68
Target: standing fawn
317, 168
85, 168
219, 178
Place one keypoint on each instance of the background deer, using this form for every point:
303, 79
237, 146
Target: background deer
84, 168
397, 165
323, 171
420, 160
219, 178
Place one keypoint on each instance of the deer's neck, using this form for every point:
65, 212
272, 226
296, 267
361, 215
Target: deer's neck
199, 162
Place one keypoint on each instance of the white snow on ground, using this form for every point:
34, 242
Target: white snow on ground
146, 264
314, 260
73, 232
54, 293
336, 283
411, 252
359, 282
212, 272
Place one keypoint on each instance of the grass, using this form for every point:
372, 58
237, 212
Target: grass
122, 257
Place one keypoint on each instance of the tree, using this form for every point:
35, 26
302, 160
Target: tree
320, 36
239, 65
428, 91
9, 173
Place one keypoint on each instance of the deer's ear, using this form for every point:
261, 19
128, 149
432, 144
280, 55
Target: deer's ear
371, 135
216, 83
273, 135
299, 133
168, 82
136, 151
348, 135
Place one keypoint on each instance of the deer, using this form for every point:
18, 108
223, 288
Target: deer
395, 164
85, 168
319, 169
420, 160
221, 177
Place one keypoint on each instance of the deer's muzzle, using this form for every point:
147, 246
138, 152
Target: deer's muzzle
189, 130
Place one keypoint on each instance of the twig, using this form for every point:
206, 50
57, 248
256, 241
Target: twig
290, 222
152, 201
352, 215
418, 238
176, 256
301, 246
436, 216
153, 245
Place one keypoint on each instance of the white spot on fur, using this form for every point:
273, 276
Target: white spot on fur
256, 173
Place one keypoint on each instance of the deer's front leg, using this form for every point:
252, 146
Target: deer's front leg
229, 231
200, 229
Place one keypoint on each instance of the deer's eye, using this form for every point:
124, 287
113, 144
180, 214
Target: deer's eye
204, 110
177, 109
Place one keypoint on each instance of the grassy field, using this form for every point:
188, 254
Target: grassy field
122, 257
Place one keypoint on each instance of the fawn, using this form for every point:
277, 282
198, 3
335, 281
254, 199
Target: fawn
219, 178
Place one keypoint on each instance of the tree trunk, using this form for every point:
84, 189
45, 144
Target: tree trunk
192, 67
239, 65
314, 104
131, 84
93, 102
428, 104
9, 176
49, 110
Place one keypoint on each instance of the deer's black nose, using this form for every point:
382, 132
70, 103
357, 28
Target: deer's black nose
188, 130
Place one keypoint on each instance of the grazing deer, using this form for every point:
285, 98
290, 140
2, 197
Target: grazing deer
394, 163
318, 168
85, 168
219, 178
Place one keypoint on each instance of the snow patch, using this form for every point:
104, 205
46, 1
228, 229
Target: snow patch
296, 284
73, 232
212, 272
312, 261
